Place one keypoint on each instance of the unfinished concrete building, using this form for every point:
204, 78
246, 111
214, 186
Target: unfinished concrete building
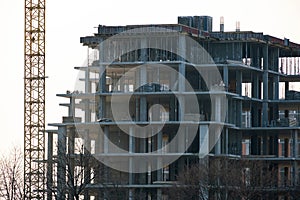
246, 109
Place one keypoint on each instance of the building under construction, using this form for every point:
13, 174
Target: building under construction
153, 100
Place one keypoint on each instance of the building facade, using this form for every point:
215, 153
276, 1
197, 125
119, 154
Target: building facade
155, 99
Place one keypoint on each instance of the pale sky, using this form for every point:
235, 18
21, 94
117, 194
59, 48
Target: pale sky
68, 20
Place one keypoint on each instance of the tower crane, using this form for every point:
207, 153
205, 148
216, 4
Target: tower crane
34, 99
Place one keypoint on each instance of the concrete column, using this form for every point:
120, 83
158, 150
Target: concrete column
255, 111
218, 108
99, 143
286, 87
172, 107
131, 140
102, 70
295, 144
87, 82
87, 168
225, 77
295, 155
50, 166
239, 112
71, 110
143, 100
71, 150
230, 111
137, 109
102, 82
102, 89
61, 165
131, 151
255, 86
181, 79
226, 141
276, 59
286, 147
265, 145
159, 194
87, 111
106, 139
271, 89
173, 81
143, 114
276, 144
271, 145
106, 151
239, 81
182, 55
218, 147
203, 140
181, 108
276, 87
265, 120
159, 159
276, 97
144, 54
181, 88
254, 145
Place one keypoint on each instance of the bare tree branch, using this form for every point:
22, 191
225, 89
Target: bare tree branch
11, 176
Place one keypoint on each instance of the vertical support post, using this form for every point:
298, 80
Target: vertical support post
295, 155
286, 87
143, 102
99, 149
276, 144
265, 145
225, 77
226, 140
71, 110
239, 81
143, 81
87, 111
239, 113
131, 151
61, 165
50, 166
218, 108
102, 82
203, 140
181, 76
254, 145
71, 160
265, 120
159, 159
286, 147
255, 86
106, 151
86, 160
271, 145
218, 145
106, 139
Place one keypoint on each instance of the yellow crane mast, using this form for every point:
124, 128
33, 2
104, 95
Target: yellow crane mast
34, 99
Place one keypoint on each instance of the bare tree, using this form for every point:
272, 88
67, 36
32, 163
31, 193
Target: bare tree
192, 184
11, 175
73, 173
256, 179
225, 178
